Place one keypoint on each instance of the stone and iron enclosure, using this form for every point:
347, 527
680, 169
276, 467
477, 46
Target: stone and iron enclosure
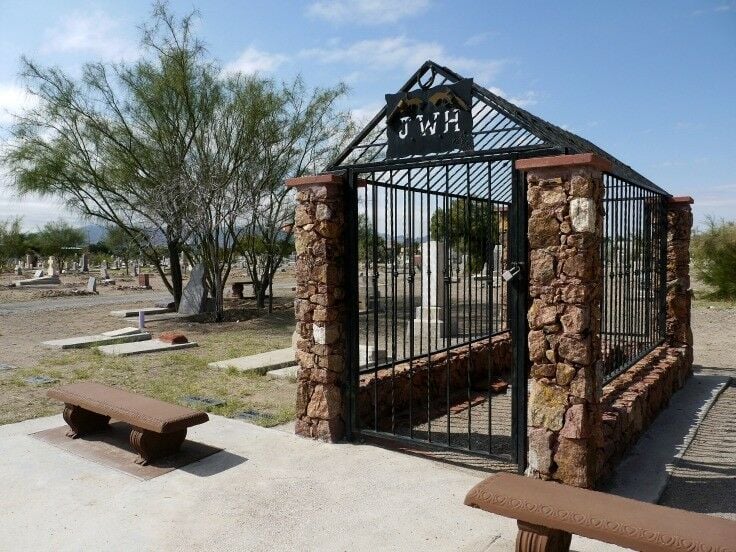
498, 287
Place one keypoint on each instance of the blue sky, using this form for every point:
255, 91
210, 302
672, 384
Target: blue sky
653, 83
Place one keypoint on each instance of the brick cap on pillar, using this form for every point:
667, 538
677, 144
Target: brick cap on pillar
680, 200
315, 180
586, 159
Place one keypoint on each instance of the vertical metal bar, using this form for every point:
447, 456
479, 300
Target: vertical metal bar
518, 293
392, 207
447, 289
429, 310
469, 322
489, 284
412, 306
374, 266
352, 318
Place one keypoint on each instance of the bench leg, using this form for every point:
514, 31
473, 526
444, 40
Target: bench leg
83, 422
537, 538
151, 446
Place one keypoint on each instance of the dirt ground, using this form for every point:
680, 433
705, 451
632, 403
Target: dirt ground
27, 318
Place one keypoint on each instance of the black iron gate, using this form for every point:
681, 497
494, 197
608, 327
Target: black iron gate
437, 327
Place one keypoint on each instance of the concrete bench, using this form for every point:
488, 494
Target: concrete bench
158, 428
549, 513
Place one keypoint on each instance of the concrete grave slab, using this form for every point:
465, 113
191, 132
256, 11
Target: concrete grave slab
195, 401
142, 347
86, 341
289, 372
42, 281
40, 380
130, 330
261, 363
134, 312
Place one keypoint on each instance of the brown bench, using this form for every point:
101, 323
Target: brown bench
548, 513
158, 428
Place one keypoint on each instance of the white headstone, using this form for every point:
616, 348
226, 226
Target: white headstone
104, 273
433, 277
92, 285
53, 266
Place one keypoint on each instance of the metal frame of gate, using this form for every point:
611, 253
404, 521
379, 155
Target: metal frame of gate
501, 132
381, 181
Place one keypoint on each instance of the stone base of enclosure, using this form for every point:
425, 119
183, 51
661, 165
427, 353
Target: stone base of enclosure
632, 400
426, 379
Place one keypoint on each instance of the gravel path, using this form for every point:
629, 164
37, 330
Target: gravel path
83, 301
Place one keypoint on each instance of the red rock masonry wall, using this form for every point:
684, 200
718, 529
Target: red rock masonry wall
427, 379
632, 401
319, 306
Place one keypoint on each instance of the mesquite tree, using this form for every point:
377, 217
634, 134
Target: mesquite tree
300, 133
171, 149
115, 143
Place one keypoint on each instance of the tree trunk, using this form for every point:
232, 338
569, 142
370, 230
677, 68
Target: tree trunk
176, 277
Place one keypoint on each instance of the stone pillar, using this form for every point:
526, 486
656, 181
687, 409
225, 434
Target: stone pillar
565, 197
679, 294
319, 305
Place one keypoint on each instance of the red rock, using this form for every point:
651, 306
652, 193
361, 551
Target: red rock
173, 337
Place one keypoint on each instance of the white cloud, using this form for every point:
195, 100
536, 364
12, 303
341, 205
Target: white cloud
404, 53
720, 8
524, 100
362, 115
253, 60
476, 39
13, 100
367, 12
95, 33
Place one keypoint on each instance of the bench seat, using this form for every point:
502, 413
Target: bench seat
158, 428
548, 513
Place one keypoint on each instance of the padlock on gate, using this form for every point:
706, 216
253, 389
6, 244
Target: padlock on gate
510, 273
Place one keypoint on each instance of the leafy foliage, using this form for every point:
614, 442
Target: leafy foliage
13, 242
59, 239
714, 256
469, 227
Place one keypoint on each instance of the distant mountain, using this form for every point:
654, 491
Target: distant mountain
94, 233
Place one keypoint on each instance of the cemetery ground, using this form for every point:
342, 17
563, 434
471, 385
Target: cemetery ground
230, 500
29, 317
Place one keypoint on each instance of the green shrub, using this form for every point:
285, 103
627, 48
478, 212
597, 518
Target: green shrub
714, 256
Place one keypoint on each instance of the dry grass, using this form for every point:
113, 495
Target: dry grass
168, 376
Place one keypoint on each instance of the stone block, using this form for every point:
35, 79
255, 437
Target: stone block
540, 450
547, 405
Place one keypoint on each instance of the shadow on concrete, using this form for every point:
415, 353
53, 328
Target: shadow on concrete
212, 465
704, 479
643, 473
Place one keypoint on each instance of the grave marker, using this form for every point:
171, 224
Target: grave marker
194, 296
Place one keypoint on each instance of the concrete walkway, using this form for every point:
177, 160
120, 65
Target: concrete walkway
268, 490
704, 480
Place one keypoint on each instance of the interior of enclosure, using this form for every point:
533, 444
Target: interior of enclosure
434, 346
